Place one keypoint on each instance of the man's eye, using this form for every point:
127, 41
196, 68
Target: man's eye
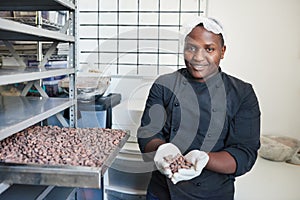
191, 48
209, 50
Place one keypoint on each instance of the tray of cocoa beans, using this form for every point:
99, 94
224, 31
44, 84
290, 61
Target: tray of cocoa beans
50, 155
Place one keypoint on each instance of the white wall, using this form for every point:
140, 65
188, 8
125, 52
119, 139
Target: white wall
264, 49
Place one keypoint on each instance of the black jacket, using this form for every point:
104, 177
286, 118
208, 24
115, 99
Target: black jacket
220, 114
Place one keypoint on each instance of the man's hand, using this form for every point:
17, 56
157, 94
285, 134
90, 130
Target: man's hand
165, 150
199, 160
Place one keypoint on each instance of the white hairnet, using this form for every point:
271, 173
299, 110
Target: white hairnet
209, 24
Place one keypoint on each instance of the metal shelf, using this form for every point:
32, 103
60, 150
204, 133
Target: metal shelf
8, 76
36, 5
18, 113
18, 191
11, 30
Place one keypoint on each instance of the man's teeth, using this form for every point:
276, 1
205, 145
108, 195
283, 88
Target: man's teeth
198, 66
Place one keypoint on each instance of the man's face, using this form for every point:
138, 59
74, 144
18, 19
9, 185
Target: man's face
203, 51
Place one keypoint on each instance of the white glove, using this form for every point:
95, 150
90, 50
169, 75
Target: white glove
199, 160
163, 151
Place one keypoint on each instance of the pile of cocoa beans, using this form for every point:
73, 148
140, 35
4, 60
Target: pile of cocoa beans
177, 162
52, 145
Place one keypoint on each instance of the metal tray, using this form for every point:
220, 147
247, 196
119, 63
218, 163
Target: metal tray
68, 176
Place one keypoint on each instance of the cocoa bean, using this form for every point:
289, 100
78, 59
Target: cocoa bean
177, 162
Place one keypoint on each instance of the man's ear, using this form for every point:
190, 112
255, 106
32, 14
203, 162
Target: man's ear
223, 51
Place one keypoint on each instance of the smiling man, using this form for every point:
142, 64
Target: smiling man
210, 117
202, 53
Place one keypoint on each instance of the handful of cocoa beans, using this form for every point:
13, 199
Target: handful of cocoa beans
177, 162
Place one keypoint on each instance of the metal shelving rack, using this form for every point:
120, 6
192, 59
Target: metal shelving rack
18, 113
14, 31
